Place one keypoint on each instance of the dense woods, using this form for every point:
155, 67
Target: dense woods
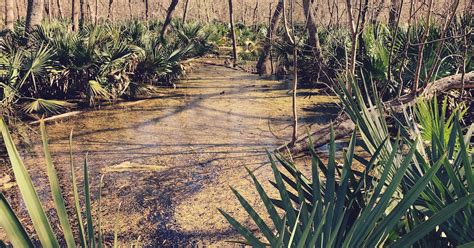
388, 161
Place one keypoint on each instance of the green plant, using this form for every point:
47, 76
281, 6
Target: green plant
353, 211
14, 228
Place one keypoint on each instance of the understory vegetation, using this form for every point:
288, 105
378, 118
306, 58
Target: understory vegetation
43, 69
415, 188
405, 98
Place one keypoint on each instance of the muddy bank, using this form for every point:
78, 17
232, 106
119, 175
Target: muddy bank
170, 161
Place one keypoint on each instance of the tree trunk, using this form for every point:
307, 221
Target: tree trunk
264, 63
313, 36
185, 11
82, 14
34, 13
146, 10
96, 11
232, 32
393, 14
60, 9
9, 15
421, 47
169, 15
109, 11
74, 15
255, 17
18, 14
49, 10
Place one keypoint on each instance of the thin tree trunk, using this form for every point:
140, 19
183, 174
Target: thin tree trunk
394, 12
82, 14
264, 63
129, 9
34, 13
255, 16
439, 49
18, 14
185, 11
232, 31
96, 11
313, 40
352, 28
50, 10
295, 87
60, 9
169, 15
74, 15
109, 11
9, 15
416, 80
146, 10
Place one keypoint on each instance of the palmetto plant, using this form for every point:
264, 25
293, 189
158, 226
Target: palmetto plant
90, 234
100, 62
412, 191
350, 211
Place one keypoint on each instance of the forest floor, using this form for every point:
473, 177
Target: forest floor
170, 160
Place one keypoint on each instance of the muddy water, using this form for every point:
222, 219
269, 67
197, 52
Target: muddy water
170, 160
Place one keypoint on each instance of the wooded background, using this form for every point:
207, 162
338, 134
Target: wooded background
248, 12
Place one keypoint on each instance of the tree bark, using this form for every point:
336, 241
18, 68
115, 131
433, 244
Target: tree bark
146, 10
169, 15
185, 11
109, 11
34, 13
232, 32
264, 63
313, 36
49, 10
9, 15
82, 14
343, 126
74, 15
60, 9
129, 9
394, 12
421, 47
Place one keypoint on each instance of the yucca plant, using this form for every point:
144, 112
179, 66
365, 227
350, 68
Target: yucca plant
455, 179
89, 232
351, 211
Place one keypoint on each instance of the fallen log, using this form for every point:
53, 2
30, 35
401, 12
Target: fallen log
344, 126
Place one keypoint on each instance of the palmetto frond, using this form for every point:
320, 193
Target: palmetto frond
46, 106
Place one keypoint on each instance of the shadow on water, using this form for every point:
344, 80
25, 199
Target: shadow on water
197, 139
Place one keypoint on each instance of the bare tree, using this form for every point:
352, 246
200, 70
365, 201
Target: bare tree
60, 8
232, 32
185, 11
34, 13
109, 12
313, 37
169, 15
421, 47
49, 10
96, 11
292, 39
394, 12
146, 9
81, 13
9, 15
74, 15
255, 16
264, 63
